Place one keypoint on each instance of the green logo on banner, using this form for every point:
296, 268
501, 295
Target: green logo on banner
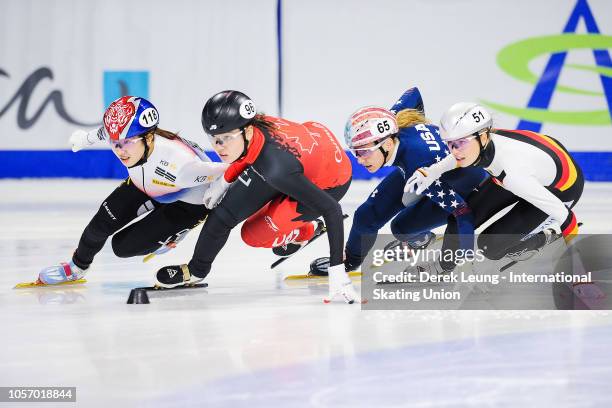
515, 58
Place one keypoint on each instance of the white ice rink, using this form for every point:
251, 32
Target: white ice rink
249, 340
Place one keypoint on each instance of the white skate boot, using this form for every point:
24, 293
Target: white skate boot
62, 273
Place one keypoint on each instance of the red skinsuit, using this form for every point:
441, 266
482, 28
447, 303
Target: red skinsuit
324, 163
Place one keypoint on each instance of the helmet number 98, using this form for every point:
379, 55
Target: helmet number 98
383, 126
247, 109
478, 116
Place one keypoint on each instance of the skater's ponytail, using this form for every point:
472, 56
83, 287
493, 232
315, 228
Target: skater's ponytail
410, 117
260, 122
165, 134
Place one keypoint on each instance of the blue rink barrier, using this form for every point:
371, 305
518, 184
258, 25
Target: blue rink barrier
597, 166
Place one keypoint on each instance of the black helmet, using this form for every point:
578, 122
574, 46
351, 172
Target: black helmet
226, 111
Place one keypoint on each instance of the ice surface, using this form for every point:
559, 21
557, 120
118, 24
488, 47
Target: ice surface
250, 340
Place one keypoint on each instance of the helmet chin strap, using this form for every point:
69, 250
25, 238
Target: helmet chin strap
485, 153
385, 153
480, 149
246, 143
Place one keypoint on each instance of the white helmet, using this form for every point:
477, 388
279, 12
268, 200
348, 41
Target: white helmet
464, 119
369, 124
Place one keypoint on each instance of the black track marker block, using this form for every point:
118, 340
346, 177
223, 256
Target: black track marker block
138, 296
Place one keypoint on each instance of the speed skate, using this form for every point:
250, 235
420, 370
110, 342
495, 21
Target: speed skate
408, 209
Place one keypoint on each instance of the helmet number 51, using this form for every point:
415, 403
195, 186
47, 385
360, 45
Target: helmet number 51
478, 116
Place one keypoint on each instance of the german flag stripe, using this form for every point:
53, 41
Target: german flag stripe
572, 227
568, 173
519, 136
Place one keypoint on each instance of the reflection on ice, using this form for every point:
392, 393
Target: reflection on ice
252, 340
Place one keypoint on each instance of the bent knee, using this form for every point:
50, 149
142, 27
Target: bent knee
120, 247
249, 236
398, 227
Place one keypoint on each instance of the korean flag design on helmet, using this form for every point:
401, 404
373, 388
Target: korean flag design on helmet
130, 116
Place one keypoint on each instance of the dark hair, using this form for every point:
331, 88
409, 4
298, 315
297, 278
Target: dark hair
163, 133
260, 122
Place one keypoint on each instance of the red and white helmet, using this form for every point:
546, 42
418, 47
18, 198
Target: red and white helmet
369, 125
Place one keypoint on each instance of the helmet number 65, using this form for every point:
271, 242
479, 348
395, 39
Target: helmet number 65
383, 126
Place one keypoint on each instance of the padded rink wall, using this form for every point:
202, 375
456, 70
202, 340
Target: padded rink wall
541, 65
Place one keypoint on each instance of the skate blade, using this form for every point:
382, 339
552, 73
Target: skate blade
192, 285
37, 284
352, 274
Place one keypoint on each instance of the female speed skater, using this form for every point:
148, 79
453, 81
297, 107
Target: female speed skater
407, 141
283, 176
168, 176
531, 171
